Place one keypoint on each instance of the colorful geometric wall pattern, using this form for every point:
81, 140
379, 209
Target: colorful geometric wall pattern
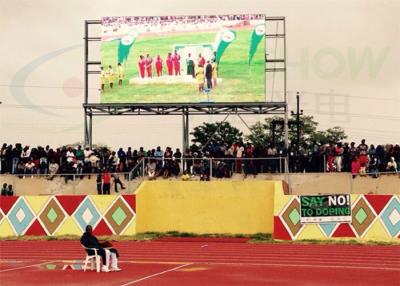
374, 217
67, 215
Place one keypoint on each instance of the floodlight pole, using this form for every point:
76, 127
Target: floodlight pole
286, 124
87, 136
185, 125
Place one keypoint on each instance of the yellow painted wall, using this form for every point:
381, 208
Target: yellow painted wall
235, 207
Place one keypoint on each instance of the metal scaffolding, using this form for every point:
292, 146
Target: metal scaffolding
273, 65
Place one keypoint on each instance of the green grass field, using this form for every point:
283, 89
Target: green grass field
241, 82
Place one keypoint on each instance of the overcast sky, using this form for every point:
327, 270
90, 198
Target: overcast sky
343, 56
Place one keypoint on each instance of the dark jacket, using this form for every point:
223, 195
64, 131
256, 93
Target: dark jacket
90, 241
208, 71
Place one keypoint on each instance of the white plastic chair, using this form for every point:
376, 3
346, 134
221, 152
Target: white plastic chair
95, 258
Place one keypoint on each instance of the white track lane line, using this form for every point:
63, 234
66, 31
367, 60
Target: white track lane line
28, 266
156, 274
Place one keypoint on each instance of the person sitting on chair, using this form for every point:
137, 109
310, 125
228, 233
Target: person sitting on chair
88, 240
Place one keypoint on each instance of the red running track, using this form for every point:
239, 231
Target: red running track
203, 263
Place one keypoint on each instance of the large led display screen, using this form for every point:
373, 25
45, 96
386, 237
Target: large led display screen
183, 59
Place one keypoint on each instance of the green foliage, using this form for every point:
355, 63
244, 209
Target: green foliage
261, 132
216, 132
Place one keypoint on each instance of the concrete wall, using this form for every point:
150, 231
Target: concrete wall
41, 186
374, 217
234, 207
67, 215
313, 183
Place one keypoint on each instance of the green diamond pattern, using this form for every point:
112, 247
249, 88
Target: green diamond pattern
52, 215
294, 216
119, 216
361, 215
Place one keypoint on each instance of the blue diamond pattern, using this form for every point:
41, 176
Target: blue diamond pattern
20, 226
85, 206
392, 207
327, 228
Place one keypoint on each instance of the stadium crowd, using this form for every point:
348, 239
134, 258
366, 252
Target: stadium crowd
221, 158
112, 26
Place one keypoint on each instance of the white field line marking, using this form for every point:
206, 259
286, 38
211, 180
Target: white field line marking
240, 260
303, 265
157, 274
28, 266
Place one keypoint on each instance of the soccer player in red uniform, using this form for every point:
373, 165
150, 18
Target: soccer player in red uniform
177, 64
202, 61
159, 65
169, 64
141, 64
149, 62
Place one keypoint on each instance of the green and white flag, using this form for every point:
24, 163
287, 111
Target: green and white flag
224, 38
125, 44
256, 37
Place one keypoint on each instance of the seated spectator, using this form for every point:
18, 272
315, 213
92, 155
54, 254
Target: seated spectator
70, 156
88, 240
29, 167
20, 169
53, 169
4, 190
391, 165
185, 176
373, 167
152, 169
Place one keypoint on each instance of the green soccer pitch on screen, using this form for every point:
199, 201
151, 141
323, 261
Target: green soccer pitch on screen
183, 59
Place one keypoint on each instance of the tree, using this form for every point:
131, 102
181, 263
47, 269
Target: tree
216, 132
334, 134
261, 134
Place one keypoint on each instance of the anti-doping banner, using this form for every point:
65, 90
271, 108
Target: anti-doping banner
125, 44
256, 37
224, 38
325, 208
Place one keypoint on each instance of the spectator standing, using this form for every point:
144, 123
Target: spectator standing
117, 181
10, 191
99, 184
106, 182
239, 155
355, 167
4, 190
16, 157
339, 157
